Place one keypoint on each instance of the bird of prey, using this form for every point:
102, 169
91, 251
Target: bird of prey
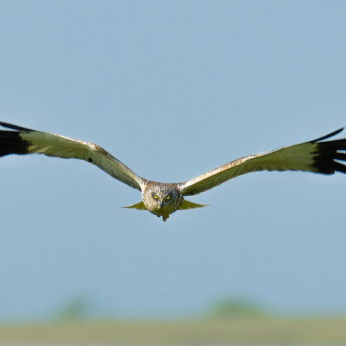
317, 156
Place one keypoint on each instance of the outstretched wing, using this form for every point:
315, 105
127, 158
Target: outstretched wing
314, 156
26, 141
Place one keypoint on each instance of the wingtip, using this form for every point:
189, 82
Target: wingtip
329, 135
15, 127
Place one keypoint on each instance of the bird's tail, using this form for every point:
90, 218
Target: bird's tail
189, 205
139, 206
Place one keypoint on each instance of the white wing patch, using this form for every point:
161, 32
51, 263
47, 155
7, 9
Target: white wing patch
299, 157
317, 156
67, 148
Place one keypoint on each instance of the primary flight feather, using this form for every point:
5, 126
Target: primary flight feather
317, 156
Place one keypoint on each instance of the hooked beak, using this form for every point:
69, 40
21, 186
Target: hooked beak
161, 204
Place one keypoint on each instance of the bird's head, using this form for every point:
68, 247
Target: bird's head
161, 199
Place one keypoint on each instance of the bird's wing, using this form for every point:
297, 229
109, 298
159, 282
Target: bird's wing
314, 156
26, 141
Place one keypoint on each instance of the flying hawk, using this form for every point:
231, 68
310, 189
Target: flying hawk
317, 156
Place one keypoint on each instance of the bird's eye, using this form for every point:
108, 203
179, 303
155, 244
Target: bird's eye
156, 196
168, 197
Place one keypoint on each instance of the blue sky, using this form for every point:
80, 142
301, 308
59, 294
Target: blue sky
173, 89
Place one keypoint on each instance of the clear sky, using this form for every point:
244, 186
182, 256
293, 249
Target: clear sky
173, 89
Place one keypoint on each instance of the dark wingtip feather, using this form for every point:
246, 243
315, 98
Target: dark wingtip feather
15, 127
12, 143
327, 152
328, 136
339, 167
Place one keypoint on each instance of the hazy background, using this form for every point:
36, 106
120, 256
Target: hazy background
173, 89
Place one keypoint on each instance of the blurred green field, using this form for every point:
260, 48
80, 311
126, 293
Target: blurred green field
317, 331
